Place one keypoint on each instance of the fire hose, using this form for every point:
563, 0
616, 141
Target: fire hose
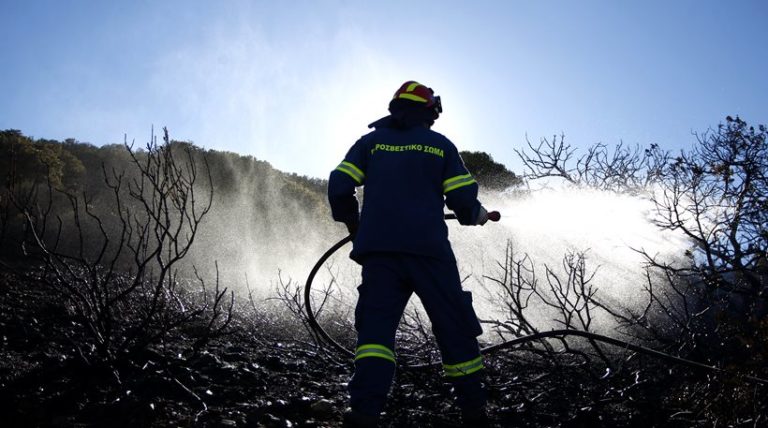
494, 216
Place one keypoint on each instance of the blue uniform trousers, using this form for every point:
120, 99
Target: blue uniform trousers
389, 279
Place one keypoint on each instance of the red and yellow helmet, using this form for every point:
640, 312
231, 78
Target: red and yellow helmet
415, 91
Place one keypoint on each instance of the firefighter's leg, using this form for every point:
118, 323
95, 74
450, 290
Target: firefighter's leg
382, 299
456, 327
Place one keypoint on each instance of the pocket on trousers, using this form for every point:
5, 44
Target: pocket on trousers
360, 306
473, 323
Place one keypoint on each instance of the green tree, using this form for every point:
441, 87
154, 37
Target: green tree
35, 162
489, 173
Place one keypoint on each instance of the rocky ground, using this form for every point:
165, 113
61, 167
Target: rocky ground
262, 374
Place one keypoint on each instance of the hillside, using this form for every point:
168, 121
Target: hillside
253, 204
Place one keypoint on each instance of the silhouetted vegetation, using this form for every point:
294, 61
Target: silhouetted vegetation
711, 303
109, 316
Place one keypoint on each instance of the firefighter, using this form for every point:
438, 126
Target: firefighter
401, 240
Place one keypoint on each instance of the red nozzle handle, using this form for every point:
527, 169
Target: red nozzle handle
494, 216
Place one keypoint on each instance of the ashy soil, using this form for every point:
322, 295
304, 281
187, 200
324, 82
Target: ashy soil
265, 373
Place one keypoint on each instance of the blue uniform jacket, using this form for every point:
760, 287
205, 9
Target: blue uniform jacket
409, 176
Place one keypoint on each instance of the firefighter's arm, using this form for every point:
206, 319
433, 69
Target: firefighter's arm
341, 187
460, 190
341, 195
463, 201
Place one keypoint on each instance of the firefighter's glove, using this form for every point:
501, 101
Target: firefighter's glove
352, 228
482, 217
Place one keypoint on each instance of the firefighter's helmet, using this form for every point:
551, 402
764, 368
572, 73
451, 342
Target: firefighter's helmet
414, 92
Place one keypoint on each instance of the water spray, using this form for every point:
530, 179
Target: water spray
495, 216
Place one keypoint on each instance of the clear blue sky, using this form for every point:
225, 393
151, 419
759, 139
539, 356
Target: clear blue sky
296, 82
